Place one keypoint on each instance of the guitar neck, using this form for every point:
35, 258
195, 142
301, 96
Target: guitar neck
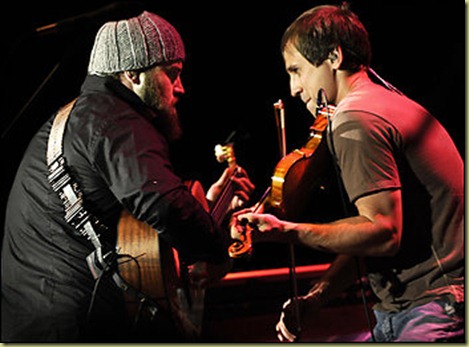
220, 208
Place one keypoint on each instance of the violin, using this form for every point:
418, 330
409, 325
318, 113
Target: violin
300, 170
295, 179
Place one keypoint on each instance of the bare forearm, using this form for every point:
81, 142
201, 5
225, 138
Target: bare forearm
342, 273
354, 236
375, 231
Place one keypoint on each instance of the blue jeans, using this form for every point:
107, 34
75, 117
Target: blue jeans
436, 321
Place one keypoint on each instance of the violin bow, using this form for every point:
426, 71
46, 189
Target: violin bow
279, 110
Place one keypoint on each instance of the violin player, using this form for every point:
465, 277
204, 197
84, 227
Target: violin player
402, 172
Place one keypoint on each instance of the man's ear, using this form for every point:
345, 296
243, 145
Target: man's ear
132, 77
336, 58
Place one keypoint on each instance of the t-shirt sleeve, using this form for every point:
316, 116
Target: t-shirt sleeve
364, 146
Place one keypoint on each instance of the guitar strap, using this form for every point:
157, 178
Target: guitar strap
70, 193
76, 215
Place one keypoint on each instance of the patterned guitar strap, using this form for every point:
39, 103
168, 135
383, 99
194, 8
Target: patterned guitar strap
70, 194
77, 216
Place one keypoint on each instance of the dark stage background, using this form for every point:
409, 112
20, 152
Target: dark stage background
233, 74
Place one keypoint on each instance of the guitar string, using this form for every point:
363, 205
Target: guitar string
222, 201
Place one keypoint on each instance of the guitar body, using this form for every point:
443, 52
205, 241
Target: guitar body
151, 266
148, 272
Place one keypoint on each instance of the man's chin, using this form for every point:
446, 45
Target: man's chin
168, 124
175, 135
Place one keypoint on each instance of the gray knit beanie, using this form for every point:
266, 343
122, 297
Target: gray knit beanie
135, 43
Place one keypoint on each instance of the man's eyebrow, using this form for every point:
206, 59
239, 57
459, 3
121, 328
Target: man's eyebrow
173, 67
292, 68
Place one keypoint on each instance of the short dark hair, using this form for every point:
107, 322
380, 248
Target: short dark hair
320, 30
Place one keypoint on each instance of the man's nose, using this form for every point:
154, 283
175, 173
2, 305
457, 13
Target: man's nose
178, 87
295, 87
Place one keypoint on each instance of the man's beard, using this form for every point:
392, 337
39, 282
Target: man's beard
167, 118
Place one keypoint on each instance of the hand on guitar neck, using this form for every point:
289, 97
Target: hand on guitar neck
243, 187
233, 189
228, 193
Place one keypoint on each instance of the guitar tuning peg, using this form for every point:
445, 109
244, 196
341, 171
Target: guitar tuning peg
225, 153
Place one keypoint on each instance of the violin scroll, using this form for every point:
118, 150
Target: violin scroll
287, 196
243, 246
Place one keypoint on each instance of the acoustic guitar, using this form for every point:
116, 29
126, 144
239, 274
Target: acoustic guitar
152, 268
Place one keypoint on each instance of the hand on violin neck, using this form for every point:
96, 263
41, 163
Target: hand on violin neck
265, 227
261, 222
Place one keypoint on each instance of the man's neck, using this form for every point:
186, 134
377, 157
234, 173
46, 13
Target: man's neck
348, 82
